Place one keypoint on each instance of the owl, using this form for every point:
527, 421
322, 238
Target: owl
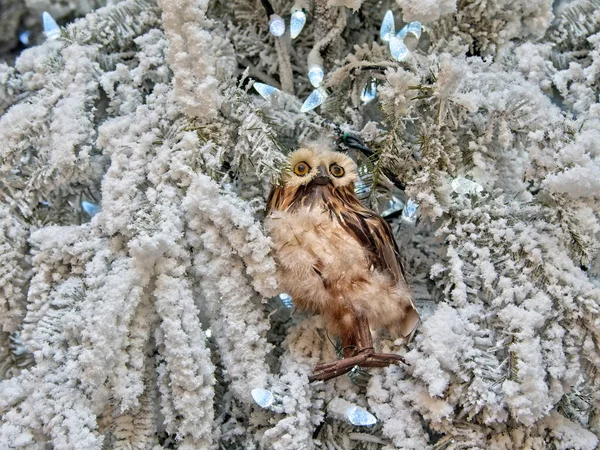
337, 258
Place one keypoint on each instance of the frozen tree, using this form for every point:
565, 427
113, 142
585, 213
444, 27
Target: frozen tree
139, 304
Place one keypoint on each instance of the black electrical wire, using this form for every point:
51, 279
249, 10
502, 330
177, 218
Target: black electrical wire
353, 141
267, 5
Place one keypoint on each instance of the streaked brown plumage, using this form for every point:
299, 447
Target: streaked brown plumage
338, 258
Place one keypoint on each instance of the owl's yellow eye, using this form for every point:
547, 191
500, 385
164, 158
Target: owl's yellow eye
336, 171
301, 169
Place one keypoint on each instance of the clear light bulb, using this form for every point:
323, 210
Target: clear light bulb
387, 26
263, 397
24, 37
316, 98
360, 416
51, 28
266, 91
91, 209
286, 300
316, 75
415, 29
276, 25
297, 22
402, 33
369, 92
398, 49
409, 213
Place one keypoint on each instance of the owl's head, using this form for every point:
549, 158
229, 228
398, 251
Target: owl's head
314, 165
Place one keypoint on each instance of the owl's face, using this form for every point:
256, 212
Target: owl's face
319, 167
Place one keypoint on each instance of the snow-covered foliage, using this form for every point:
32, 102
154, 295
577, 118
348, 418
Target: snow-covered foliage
148, 324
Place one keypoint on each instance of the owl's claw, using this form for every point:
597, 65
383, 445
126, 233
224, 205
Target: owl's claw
359, 351
365, 358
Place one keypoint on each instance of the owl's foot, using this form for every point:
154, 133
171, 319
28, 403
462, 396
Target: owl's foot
365, 358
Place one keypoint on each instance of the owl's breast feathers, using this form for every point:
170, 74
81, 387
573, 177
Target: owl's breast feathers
334, 255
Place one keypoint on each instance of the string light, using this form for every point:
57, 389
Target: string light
316, 98
297, 22
360, 416
276, 25
316, 75
387, 26
51, 28
398, 49
262, 397
266, 91
91, 209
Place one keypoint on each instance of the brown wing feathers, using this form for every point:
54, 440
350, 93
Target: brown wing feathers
369, 229
372, 231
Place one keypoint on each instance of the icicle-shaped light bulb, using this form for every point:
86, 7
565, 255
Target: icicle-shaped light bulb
409, 213
263, 397
297, 22
464, 186
398, 49
394, 205
402, 33
276, 25
316, 98
369, 92
360, 416
51, 28
266, 91
415, 29
90, 209
286, 300
24, 37
387, 26
316, 75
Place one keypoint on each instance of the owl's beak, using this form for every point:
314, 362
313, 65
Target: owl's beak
322, 178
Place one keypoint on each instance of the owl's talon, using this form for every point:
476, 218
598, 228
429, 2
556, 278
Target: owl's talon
365, 358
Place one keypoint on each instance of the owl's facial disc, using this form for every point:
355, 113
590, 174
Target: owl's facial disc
321, 178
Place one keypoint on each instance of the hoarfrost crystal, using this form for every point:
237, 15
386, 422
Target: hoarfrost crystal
464, 186
415, 29
369, 92
266, 91
297, 22
51, 28
398, 49
316, 75
387, 27
263, 397
360, 416
316, 98
91, 209
276, 25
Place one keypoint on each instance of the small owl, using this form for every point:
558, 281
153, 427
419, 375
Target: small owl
338, 258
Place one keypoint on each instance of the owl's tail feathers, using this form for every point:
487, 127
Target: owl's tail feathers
409, 323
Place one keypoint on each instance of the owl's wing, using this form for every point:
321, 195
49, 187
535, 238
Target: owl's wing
275, 199
375, 234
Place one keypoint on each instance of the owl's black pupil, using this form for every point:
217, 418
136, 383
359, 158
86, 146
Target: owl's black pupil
301, 168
